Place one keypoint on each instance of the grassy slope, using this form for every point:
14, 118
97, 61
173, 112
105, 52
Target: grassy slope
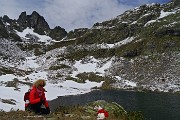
116, 112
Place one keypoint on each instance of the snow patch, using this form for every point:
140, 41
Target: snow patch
162, 15
42, 38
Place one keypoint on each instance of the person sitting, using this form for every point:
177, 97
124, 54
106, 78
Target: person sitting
37, 98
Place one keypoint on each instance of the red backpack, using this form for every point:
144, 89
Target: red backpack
26, 97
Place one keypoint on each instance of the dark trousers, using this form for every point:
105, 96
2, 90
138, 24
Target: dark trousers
36, 108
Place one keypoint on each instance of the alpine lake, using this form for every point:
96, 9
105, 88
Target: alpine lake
153, 105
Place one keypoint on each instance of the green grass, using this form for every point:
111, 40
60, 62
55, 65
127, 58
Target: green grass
90, 76
93, 77
61, 66
76, 112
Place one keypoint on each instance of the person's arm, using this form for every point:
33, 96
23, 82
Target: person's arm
45, 101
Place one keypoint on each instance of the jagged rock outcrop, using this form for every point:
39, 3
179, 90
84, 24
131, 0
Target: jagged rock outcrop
3, 31
7, 19
7, 31
33, 21
58, 33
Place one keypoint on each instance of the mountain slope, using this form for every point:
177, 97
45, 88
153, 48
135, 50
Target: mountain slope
138, 50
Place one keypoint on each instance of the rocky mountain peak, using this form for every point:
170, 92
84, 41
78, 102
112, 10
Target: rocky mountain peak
6, 19
33, 21
58, 33
35, 14
22, 16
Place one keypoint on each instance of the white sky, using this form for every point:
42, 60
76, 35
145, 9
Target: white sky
71, 14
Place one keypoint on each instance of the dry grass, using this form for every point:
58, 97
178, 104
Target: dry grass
74, 113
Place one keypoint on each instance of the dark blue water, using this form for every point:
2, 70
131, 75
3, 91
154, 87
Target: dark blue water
155, 106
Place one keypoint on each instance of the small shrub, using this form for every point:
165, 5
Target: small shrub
61, 66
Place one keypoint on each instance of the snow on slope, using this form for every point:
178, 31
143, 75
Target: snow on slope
91, 66
39, 64
9, 48
41, 38
162, 15
63, 88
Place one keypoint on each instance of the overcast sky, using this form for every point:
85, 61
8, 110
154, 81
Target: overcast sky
71, 14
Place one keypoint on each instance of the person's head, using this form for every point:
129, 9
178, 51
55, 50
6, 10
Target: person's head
40, 83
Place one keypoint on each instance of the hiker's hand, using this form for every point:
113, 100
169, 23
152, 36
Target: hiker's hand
42, 101
48, 110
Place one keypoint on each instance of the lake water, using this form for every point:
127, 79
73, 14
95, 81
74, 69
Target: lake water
155, 106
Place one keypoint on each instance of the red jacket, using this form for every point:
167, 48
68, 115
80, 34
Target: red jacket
34, 97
